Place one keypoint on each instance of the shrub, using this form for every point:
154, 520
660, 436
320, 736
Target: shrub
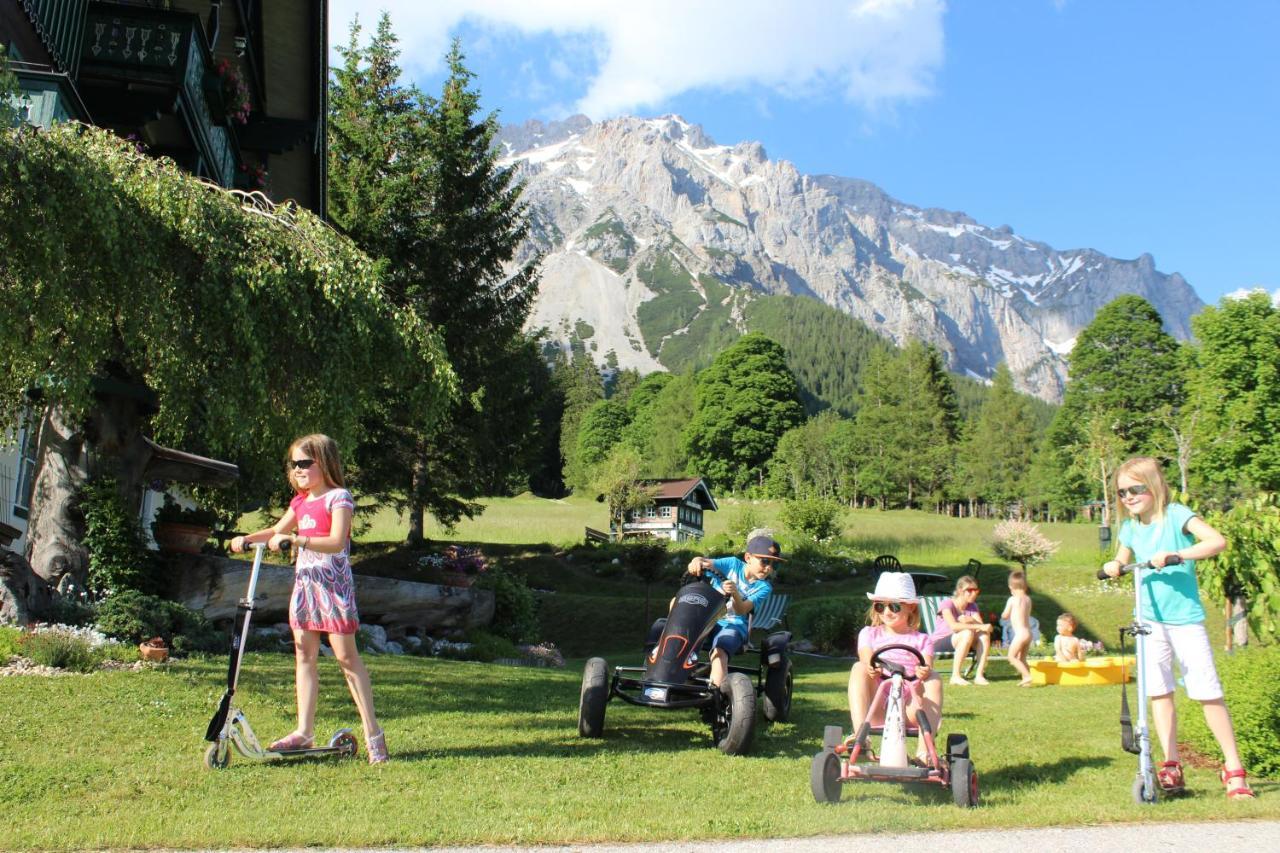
832, 625
133, 616
68, 610
1021, 542
1248, 680
813, 518
10, 640
481, 646
515, 611
64, 647
118, 556
744, 519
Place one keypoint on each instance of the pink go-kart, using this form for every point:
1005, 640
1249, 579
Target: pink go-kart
852, 759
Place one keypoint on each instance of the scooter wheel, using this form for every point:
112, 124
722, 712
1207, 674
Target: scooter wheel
1143, 794
346, 744
217, 756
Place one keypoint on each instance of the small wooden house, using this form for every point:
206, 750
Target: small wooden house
676, 511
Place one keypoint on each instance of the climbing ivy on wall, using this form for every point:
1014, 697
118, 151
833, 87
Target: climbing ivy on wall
252, 323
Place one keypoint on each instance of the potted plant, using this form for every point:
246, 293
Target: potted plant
177, 528
155, 650
227, 94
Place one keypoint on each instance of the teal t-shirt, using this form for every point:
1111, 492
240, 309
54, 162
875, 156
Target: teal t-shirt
1170, 595
754, 591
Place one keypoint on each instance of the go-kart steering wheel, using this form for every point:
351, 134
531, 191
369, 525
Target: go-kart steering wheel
890, 666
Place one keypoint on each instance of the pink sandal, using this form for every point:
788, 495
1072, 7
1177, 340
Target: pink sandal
293, 740
1244, 792
1170, 777
377, 748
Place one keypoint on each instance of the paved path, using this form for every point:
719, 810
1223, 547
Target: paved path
1110, 838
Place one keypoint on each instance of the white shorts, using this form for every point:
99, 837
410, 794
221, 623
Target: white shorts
1190, 645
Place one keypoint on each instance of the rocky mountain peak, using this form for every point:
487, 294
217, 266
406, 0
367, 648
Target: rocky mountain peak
652, 233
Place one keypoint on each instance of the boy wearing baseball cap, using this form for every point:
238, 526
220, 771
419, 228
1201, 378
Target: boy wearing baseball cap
748, 587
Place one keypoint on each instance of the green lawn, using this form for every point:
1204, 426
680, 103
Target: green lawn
490, 754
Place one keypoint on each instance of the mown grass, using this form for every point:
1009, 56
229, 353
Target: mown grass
489, 754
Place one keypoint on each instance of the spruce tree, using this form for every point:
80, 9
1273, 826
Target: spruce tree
996, 456
415, 182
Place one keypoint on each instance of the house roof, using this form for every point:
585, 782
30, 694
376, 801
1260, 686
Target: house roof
178, 466
681, 489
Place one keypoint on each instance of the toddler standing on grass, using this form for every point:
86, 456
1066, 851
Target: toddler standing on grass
1018, 611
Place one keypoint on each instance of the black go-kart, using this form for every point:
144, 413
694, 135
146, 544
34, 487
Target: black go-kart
677, 667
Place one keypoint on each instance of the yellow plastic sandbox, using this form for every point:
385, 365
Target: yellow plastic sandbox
1100, 670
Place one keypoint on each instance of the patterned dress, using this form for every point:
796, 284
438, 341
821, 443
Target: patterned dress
324, 593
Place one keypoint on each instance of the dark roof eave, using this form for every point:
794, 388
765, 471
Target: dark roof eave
178, 466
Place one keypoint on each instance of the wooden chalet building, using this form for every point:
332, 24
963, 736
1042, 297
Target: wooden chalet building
676, 511
233, 91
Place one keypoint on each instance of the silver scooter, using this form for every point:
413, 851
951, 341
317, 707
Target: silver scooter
1145, 788
229, 726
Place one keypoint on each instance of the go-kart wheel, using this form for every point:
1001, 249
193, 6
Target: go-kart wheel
594, 697
736, 723
1144, 794
964, 783
957, 746
345, 743
218, 755
777, 693
824, 777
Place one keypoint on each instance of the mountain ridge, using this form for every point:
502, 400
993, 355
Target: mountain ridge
651, 231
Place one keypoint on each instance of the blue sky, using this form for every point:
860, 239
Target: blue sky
1123, 126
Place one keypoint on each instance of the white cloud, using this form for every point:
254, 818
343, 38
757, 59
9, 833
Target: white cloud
869, 52
1248, 291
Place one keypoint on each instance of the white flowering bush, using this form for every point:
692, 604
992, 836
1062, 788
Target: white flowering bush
1022, 542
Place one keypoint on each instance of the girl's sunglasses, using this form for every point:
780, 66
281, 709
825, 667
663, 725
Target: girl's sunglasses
891, 606
1132, 490
304, 464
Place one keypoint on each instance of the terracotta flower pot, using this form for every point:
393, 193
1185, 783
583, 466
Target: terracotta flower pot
154, 650
181, 538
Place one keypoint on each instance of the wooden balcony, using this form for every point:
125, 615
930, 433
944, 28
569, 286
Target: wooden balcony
149, 72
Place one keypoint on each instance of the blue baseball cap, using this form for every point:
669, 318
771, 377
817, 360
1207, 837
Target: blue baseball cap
765, 547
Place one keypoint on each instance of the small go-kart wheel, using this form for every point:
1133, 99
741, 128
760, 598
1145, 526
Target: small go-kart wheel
824, 777
736, 723
217, 756
1144, 794
345, 743
594, 697
778, 685
957, 746
964, 783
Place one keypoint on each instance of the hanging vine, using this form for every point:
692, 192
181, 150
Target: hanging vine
252, 322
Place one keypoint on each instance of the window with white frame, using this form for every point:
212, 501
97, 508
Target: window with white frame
26, 480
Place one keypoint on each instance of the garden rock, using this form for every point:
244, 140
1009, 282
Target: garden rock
375, 636
411, 642
394, 648
23, 593
325, 651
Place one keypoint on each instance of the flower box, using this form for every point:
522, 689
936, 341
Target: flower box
181, 538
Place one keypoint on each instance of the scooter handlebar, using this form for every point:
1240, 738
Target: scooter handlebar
1173, 560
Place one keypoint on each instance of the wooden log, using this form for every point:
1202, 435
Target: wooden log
214, 586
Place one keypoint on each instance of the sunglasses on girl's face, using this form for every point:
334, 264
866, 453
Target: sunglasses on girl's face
304, 464
1132, 490
891, 606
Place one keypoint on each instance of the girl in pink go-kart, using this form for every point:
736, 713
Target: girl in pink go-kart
894, 619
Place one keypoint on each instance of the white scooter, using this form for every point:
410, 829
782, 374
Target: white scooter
229, 726
1145, 788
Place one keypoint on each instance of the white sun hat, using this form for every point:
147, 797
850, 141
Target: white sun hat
894, 586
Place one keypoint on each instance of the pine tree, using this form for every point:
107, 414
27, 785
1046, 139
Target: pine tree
996, 456
415, 182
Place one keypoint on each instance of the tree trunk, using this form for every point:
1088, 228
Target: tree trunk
416, 537
55, 527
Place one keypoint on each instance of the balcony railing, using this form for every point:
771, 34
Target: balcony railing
146, 50
59, 24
